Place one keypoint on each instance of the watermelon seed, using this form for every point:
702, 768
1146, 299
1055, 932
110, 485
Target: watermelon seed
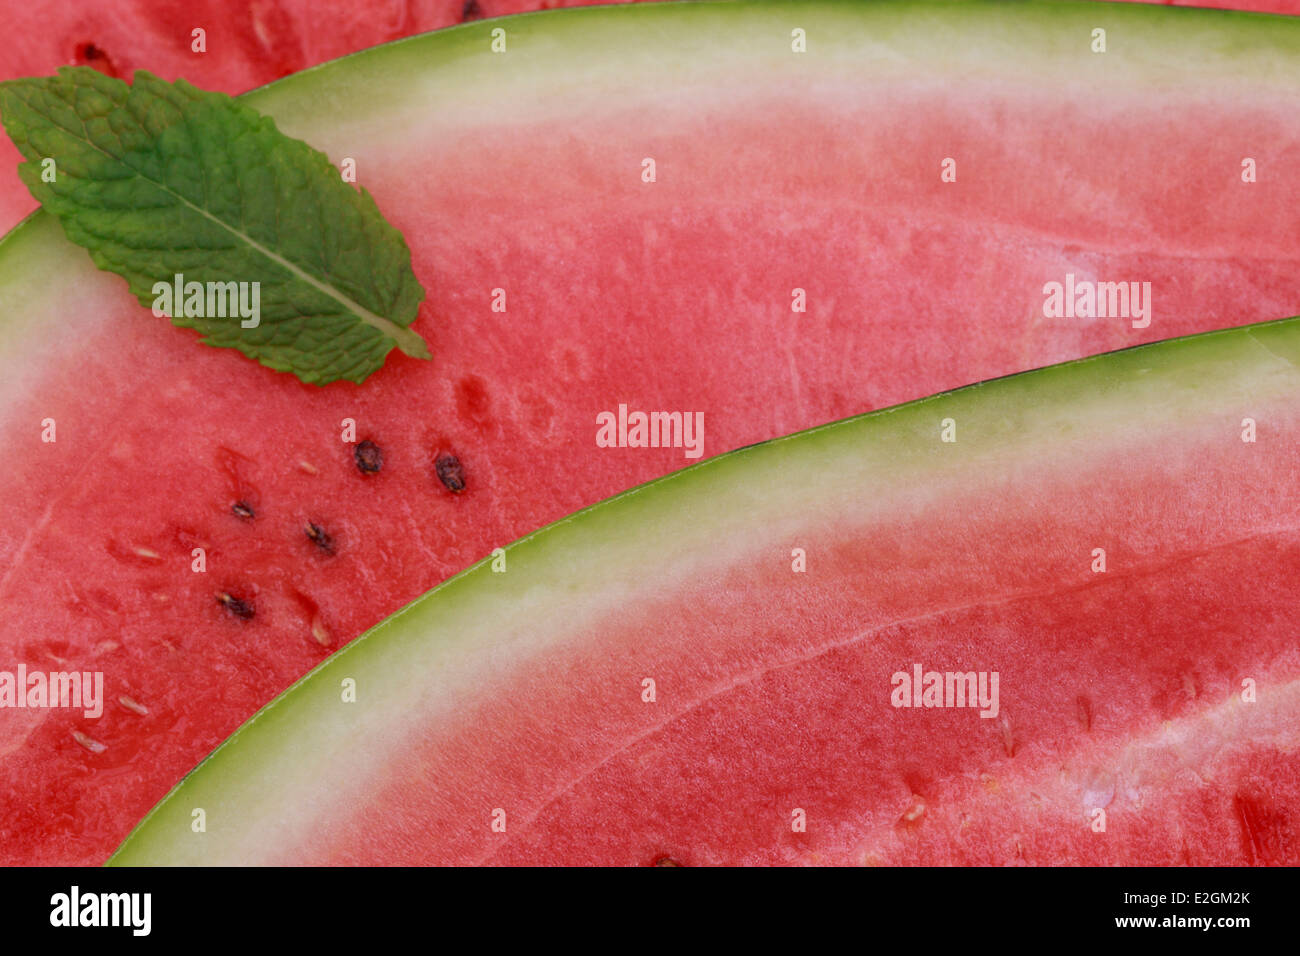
148, 554
316, 534
450, 472
131, 704
1085, 711
665, 860
308, 467
90, 743
1008, 741
470, 11
369, 457
241, 609
242, 509
911, 818
320, 632
87, 54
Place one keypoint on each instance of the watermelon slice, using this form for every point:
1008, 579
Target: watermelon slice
524, 172
1102, 574
248, 42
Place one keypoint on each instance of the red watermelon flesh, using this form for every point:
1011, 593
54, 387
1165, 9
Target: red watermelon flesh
775, 173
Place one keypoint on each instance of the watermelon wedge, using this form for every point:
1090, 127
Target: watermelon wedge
246, 43
519, 179
1107, 569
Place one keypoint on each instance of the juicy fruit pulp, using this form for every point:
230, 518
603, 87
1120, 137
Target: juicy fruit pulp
656, 676
674, 294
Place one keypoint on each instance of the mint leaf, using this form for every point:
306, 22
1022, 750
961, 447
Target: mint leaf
158, 179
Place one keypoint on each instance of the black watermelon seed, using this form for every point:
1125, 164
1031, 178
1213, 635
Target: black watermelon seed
369, 457
241, 609
316, 534
471, 10
242, 509
87, 54
450, 472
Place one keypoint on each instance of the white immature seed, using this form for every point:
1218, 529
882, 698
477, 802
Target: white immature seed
90, 743
320, 631
1008, 738
915, 811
